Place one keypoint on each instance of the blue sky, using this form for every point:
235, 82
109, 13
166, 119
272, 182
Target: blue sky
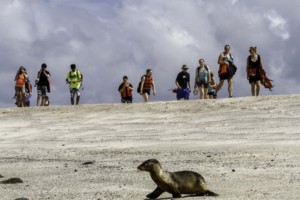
109, 39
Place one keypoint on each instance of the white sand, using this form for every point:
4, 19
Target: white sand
246, 148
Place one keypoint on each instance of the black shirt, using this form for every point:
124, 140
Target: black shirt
43, 79
183, 78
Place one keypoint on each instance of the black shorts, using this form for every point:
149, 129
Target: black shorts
146, 91
224, 76
202, 84
126, 99
254, 79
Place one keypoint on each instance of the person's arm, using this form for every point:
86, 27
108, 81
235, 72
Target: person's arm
221, 60
130, 87
261, 63
177, 83
247, 68
154, 89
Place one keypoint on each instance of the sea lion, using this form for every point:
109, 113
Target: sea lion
176, 183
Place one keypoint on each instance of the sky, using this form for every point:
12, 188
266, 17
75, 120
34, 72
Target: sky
108, 39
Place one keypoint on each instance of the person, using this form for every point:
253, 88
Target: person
225, 61
202, 79
211, 92
43, 84
74, 79
183, 83
254, 65
20, 79
147, 83
125, 90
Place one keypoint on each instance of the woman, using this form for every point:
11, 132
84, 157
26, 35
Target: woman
254, 64
147, 83
225, 60
20, 79
202, 79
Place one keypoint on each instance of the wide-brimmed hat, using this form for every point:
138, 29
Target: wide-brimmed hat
184, 67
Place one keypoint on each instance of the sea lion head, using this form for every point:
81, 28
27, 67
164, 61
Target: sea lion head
148, 165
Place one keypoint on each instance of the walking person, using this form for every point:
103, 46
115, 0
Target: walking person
74, 79
226, 69
125, 90
254, 65
43, 84
183, 84
147, 83
202, 79
20, 79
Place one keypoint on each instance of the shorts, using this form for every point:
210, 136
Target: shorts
254, 79
41, 90
74, 91
146, 91
126, 99
183, 93
20, 89
202, 84
224, 76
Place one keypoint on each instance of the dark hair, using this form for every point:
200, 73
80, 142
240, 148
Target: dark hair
73, 66
227, 45
148, 70
201, 59
125, 77
253, 48
44, 65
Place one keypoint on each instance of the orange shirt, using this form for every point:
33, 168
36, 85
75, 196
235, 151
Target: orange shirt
20, 82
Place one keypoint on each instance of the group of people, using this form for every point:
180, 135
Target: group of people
23, 87
205, 83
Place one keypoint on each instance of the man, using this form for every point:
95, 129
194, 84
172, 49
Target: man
147, 83
125, 90
43, 84
74, 79
183, 84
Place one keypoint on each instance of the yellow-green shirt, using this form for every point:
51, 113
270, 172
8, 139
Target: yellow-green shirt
74, 79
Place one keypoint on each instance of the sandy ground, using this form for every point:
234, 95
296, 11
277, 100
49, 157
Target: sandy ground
246, 148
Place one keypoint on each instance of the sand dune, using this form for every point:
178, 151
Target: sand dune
246, 148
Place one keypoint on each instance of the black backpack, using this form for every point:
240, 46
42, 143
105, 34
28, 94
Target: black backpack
140, 84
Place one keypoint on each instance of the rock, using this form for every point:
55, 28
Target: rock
12, 181
88, 163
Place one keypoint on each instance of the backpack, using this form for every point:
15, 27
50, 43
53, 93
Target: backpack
140, 84
203, 76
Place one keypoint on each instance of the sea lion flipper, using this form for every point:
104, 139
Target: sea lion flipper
156, 193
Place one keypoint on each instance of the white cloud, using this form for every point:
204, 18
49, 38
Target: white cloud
278, 24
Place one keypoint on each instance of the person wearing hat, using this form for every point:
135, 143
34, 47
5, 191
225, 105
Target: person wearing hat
43, 84
74, 79
125, 90
183, 84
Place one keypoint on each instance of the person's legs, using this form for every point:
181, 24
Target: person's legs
253, 88
146, 97
230, 87
219, 86
257, 88
201, 89
77, 99
205, 93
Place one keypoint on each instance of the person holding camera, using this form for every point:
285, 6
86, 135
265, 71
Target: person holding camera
43, 85
125, 90
20, 79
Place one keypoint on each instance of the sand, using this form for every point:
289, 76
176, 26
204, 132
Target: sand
246, 148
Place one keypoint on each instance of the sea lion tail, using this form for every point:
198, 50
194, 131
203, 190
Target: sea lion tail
210, 193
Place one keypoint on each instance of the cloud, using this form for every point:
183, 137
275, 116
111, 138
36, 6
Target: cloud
109, 39
278, 24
